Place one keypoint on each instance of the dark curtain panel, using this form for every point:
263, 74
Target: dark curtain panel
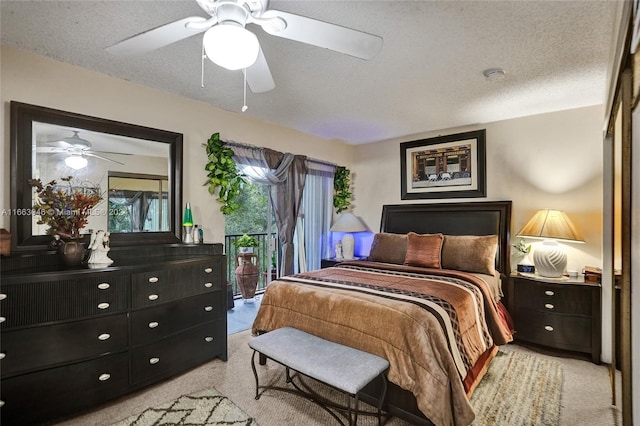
286, 176
286, 198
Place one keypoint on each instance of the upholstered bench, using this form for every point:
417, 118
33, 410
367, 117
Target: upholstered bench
341, 367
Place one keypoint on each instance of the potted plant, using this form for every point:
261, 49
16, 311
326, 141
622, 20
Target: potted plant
246, 243
523, 250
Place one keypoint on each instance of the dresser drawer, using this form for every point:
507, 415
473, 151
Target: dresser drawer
559, 331
179, 352
42, 396
201, 278
151, 324
555, 298
37, 347
153, 288
60, 300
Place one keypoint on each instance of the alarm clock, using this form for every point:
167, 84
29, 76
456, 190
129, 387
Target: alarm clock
526, 268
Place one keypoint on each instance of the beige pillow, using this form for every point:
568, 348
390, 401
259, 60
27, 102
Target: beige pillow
471, 253
423, 250
388, 248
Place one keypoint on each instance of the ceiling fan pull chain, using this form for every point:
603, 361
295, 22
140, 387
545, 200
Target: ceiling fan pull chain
204, 56
244, 105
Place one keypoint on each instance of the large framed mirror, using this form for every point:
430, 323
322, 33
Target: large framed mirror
49, 144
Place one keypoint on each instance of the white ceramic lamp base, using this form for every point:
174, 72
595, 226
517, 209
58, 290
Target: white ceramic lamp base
550, 259
348, 246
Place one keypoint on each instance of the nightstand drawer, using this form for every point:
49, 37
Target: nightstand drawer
554, 298
555, 330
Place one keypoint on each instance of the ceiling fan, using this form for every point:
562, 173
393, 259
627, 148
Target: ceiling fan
229, 44
77, 149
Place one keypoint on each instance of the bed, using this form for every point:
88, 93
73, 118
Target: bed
427, 300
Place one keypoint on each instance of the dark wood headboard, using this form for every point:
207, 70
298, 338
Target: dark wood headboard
476, 218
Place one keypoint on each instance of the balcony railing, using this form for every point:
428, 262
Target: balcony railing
264, 260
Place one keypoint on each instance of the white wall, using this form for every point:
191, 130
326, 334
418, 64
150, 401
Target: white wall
544, 161
32, 79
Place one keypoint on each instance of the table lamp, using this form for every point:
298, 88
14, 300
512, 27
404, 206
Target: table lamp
550, 258
187, 225
347, 222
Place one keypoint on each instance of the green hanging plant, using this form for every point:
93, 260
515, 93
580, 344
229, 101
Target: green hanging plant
341, 189
223, 175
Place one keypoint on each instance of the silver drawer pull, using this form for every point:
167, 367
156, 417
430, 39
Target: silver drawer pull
104, 286
208, 270
153, 297
208, 308
208, 339
153, 324
2, 355
1, 403
154, 360
208, 285
2, 319
104, 377
548, 328
3, 296
549, 306
103, 305
153, 279
549, 293
104, 336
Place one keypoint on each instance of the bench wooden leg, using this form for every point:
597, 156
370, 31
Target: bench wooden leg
262, 360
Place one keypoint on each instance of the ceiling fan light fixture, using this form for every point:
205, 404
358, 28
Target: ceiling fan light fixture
76, 162
231, 46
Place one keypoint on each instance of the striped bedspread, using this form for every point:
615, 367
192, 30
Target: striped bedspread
432, 325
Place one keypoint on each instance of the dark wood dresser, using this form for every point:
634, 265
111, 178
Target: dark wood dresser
556, 313
74, 338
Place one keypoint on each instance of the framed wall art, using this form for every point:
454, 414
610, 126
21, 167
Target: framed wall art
451, 166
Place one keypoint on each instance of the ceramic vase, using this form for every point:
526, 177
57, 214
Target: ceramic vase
71, 253
247, 272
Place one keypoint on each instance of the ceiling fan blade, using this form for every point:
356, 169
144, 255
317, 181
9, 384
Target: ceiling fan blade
158, 37
323, 34
50, 149
259, 76
102, 158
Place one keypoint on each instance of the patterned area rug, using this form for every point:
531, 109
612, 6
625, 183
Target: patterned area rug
519, 389
207, 407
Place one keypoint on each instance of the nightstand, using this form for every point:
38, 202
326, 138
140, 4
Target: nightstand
562, 313
332, 261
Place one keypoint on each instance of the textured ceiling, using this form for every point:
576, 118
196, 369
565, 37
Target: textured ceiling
428, 75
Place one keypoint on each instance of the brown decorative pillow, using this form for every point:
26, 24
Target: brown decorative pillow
388, 248
423, 250
471, 253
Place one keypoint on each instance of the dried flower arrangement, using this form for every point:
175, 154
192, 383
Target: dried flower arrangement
65, 209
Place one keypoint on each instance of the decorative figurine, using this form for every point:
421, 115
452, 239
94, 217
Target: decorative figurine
99, 247
339, 250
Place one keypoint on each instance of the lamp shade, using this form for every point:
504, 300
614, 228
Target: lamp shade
348, 222
551, 224
231, 46
550, 258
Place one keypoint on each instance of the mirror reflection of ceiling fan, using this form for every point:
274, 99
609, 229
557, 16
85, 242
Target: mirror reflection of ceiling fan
77, 149
229, 44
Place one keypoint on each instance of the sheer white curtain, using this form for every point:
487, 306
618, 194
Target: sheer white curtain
312, 230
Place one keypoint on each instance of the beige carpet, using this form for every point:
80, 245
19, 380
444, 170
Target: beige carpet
585, 398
